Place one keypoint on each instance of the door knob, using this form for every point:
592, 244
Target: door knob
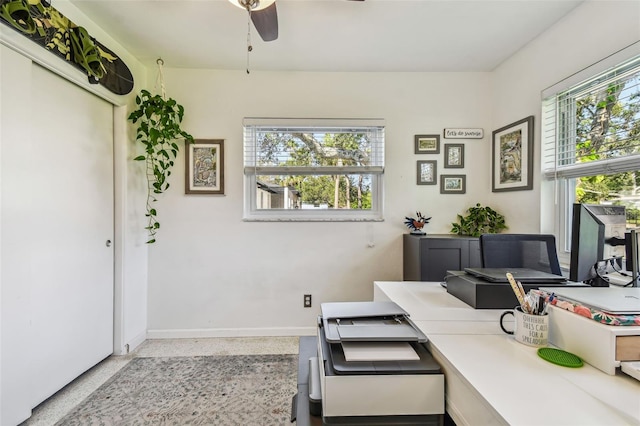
108, 243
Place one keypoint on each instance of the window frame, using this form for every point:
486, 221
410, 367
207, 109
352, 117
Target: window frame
252, 171
564, 180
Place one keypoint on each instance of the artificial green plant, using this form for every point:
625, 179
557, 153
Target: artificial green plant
158, 130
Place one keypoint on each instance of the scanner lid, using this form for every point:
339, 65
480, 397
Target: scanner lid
335, 310
368, 322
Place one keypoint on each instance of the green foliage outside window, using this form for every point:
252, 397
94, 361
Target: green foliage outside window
336, 191
608, 126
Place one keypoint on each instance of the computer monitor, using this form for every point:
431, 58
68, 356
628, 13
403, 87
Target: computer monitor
597, 233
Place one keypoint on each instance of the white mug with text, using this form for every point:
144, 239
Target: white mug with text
532, 330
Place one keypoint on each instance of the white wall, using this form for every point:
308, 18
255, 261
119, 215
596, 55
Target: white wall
593, 31
210, 272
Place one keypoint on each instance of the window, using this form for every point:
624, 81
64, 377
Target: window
313, 169
591, 133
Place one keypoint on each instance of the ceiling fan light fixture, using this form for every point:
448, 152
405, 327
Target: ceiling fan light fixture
252, 4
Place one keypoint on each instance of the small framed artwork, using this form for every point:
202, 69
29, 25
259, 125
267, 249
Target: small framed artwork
427, 144
453, 156
453, 184
204, 167
512, 157
427, 172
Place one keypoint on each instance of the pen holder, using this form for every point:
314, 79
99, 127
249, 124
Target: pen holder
532, 330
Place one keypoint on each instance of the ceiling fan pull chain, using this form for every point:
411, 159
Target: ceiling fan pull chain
160, 79
249, 46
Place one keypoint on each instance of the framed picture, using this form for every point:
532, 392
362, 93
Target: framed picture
512, 157
427, 172
204, 167
453, 156
453, 184
427, 144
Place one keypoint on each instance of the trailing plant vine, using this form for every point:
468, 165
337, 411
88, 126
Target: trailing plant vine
479, 220
158, 129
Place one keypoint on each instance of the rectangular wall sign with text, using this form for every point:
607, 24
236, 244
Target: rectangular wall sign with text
463, 133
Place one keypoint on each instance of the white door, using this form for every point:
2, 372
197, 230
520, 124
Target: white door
71, 231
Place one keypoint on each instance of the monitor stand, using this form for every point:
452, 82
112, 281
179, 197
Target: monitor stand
634, 256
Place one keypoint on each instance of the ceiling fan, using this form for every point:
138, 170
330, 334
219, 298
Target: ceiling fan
263, 15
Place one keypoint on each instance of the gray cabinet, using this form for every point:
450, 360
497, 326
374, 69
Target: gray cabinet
429, 257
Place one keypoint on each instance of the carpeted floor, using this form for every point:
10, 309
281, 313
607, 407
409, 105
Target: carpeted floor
201, 390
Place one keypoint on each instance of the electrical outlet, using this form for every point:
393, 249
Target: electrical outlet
307, 300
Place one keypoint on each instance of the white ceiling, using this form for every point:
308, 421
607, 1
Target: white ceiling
329, 35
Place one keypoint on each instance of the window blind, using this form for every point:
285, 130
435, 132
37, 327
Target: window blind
270, 146
593, 127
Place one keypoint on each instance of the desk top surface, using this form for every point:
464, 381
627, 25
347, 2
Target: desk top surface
518, 385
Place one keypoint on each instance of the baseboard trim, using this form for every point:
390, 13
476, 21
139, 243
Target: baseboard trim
137, 341
131, 345
231, 332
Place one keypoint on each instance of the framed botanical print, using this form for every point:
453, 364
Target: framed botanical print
453, 184
453, 156
512, 157
204, 167
427, 172
427, 144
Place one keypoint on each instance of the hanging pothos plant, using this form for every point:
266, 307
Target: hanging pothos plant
158, 130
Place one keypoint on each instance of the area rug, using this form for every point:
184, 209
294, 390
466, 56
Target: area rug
206, 390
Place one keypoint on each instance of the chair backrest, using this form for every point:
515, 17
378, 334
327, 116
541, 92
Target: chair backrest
533, 251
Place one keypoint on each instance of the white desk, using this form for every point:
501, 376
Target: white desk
492, 379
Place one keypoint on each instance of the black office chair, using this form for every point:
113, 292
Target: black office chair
531, 251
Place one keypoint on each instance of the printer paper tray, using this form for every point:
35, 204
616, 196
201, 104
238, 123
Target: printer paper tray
338, 365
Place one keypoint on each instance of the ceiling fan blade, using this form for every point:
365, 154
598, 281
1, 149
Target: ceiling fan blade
266, 22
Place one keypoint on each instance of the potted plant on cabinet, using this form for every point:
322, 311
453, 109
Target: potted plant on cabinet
479, 220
